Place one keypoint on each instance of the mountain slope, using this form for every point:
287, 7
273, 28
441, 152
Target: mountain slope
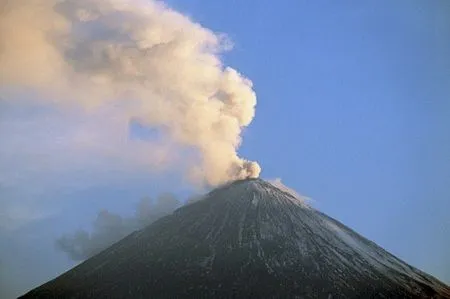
246, 239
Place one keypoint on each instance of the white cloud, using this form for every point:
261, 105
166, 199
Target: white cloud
146, 60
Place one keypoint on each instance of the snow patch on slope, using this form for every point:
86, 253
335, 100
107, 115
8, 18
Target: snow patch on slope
383, 262
279, 185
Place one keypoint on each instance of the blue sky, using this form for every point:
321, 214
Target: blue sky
353, 111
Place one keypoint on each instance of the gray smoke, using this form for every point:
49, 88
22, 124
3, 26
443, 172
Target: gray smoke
109, 228
153, 64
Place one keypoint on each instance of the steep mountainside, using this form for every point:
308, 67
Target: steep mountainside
248, 239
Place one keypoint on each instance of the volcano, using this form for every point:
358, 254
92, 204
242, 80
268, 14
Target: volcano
247, 239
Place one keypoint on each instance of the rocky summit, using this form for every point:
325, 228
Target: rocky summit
247, 239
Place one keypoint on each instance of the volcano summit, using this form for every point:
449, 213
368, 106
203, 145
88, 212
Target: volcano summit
247, 239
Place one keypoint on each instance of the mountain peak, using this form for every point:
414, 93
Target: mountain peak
246, 239
259, 189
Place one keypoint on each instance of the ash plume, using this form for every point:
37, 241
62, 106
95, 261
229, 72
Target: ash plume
154, 64
109, 228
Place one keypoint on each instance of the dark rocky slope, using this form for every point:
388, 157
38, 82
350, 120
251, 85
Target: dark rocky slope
248, 239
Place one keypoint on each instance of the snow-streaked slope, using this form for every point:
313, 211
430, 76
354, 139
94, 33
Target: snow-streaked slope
246, 239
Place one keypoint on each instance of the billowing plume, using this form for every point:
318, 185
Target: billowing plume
160, 68
109, 228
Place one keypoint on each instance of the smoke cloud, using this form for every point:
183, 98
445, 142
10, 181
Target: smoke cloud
109, 228
156, 66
